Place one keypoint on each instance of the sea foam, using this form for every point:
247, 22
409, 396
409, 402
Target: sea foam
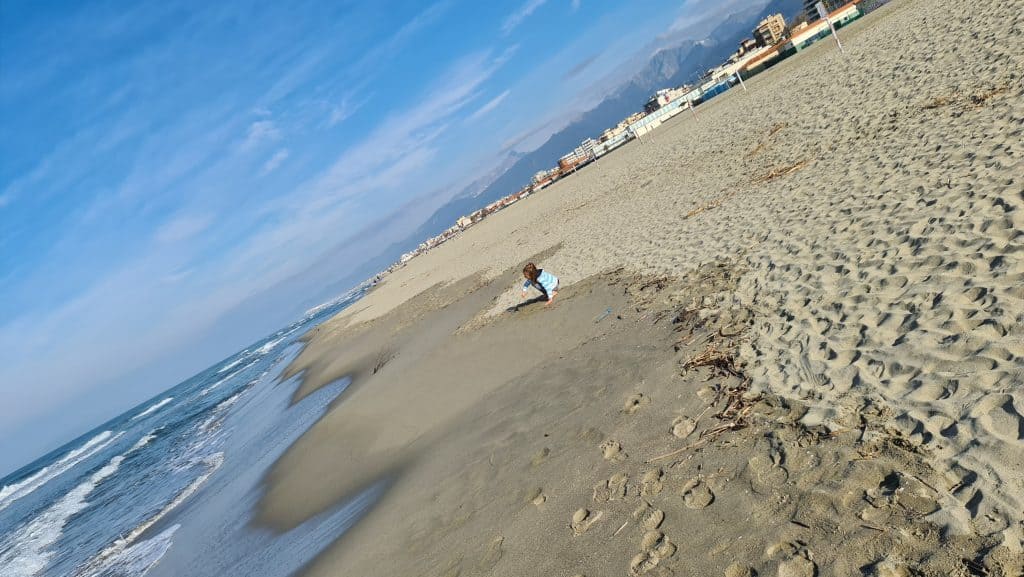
120, 550
28, 549
13, 492
153, 409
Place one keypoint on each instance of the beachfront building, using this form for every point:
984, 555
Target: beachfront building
544, 178
581, 155
663, 97
612, 133
770, 30
812, 13
817, 30
800, 37
464, 222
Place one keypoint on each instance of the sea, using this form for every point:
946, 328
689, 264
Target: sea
170, 487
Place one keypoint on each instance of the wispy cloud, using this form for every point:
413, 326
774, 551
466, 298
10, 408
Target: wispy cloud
575, 5
410, 130
182, 228
274, 161
345, 108
580, 67
259, 133
489, 106
513, 20
373, 61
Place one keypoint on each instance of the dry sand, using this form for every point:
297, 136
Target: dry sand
818, 315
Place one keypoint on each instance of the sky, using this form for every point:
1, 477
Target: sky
178, 179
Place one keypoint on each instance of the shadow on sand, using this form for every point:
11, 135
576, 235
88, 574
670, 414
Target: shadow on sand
524, 304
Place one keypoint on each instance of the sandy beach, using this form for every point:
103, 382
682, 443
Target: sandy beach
790, 341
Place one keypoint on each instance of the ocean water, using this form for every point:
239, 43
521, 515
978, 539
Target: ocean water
169, 487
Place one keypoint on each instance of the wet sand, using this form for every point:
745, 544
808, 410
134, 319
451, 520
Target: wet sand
813, 365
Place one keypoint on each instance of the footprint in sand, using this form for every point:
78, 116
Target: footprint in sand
999, 416
612, 451
798, 567
696, 494
682, 426
634, 402
540, 456
766, 471
888, 569
707, 393
654, 549
617, 486
582, 520
650, 483
492, 555
536, 496
737, 570
648, 517
653, 520
613, 489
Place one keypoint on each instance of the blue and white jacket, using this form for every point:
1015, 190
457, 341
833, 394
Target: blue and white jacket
546, 282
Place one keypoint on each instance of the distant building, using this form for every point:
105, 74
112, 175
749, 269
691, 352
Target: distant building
612, 133
464, 221
587, 146
800, 38
812, 12
655, 102
770, 30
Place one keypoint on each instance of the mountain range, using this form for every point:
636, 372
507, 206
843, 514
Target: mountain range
673, 66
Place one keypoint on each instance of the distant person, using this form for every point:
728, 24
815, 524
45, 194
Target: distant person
541, 280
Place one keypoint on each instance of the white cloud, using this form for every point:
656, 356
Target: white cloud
345, 109
274, 161
513, 20
491, 105
260, 132
575, 4
409, 130
182, 228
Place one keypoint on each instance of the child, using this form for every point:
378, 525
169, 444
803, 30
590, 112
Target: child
541, 280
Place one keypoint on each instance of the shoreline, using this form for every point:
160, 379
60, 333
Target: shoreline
849, 269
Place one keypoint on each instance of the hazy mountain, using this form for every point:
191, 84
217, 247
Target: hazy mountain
674, 66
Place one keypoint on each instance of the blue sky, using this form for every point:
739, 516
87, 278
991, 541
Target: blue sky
179, 178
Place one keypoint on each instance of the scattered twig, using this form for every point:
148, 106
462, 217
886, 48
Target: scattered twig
782, 171
692, 445
713, 357
706, 436
873, 528
619, 530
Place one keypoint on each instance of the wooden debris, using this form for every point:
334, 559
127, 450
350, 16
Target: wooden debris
781, 171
